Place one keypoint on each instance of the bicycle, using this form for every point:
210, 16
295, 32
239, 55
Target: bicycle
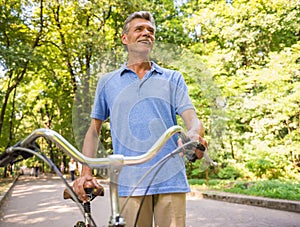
29, 147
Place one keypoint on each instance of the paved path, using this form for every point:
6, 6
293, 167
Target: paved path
39, 203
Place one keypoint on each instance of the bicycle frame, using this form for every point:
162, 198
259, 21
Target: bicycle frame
114, 163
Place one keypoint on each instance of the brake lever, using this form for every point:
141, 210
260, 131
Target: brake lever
191, 156
10, 156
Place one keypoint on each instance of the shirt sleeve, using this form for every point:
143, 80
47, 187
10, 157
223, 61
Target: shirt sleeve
182, 98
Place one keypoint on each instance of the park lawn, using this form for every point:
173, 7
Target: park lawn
276, 189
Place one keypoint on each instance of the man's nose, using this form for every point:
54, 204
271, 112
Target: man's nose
146, 33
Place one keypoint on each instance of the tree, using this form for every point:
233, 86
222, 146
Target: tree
18, 44
237, 41
65, 45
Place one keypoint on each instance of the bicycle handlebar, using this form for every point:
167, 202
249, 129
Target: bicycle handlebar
114, 162
10, 155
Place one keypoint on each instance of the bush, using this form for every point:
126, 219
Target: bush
278, 189
230, 172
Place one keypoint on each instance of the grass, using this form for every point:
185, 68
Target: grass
4, 182
277, 189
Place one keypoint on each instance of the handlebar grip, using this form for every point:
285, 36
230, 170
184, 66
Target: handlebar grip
9, 156
201, 147
191, 156
5, 159
90, 190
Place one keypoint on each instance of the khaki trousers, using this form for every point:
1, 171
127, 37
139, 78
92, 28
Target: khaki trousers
167, 210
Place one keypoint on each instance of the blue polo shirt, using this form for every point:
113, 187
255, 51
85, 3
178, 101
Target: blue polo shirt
140, 111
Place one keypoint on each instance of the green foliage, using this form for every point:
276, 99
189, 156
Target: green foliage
212, 183
241, 63
277, 189
257, 70
229, 172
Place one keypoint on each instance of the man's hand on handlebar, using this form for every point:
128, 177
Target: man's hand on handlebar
86, 177
201, 148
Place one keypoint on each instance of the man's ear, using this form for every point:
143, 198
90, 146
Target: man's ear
124, 39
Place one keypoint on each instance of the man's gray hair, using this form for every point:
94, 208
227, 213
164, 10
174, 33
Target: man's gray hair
142, 14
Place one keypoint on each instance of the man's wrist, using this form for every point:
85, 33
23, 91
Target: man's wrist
86, 171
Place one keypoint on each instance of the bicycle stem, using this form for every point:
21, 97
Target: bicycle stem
114, 171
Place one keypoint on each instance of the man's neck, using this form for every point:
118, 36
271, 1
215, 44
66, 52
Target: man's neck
139, 67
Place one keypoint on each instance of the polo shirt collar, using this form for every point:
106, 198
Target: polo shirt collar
154, 67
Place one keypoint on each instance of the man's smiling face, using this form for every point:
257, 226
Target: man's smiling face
140, 37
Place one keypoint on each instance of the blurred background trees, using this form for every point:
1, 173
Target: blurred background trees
241, 60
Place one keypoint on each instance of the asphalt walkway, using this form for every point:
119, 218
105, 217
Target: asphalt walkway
279, 204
